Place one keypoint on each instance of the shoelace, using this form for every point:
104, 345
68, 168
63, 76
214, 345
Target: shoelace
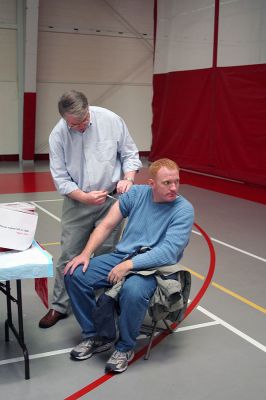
85, 343
118, 354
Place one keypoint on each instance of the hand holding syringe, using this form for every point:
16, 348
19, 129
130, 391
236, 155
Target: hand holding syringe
111, 197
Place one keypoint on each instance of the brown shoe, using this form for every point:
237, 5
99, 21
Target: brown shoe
51, 318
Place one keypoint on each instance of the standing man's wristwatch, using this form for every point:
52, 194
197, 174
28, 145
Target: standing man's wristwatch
129, 179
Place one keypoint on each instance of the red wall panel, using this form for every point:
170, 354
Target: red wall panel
29, 126
213, 120
240, 131
180, 117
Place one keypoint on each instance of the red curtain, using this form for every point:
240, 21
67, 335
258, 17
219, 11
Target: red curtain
212, 120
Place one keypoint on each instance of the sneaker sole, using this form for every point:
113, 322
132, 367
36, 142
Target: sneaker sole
98, 350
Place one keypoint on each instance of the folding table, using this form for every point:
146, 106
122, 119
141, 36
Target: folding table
34, 263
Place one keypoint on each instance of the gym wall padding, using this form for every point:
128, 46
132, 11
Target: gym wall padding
208, 118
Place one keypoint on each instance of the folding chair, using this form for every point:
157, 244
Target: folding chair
184, 277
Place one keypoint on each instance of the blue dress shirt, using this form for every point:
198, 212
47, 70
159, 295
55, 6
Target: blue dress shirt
95, 159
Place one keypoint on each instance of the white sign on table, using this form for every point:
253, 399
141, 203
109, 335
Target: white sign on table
18, 222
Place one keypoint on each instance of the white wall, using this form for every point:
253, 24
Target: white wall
189, 46
113, 69
8, 78
242, 33
101, 47
184, 37
104, 48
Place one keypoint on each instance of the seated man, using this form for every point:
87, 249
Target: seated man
158, 218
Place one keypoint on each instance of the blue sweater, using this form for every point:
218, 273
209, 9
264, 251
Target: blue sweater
165, 227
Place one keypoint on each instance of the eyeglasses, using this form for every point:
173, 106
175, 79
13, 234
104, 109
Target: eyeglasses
73, 123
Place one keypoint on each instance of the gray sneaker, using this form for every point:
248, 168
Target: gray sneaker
88, 347
118, 362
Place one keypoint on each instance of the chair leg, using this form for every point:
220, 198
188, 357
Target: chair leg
147, 355
168, 326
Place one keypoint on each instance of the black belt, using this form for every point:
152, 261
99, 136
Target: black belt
113, 192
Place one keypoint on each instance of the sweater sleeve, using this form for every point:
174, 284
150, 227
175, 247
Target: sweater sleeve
170, 249
127, 201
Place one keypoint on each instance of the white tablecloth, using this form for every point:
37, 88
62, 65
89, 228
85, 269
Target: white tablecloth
34, 262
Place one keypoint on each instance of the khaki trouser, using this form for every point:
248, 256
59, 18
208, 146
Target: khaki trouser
78, 221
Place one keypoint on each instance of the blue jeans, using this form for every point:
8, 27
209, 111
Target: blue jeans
134, 298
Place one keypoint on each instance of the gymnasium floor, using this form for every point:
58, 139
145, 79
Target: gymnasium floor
217, 353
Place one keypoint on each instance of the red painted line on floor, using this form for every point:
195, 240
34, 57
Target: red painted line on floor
90, 387
93, 385
209, 276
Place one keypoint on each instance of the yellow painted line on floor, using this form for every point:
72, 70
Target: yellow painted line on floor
214, 284
195, 273
230, 292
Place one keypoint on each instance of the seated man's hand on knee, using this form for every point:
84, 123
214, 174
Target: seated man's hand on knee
78, 260
119, 271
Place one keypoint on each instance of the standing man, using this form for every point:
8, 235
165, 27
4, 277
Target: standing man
92, 156
159, 219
